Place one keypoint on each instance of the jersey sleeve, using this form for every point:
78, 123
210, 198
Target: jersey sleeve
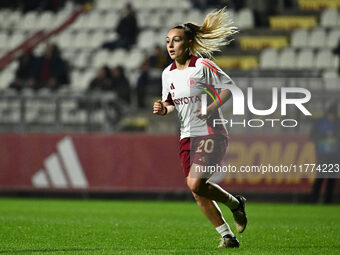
214, 76
166, 96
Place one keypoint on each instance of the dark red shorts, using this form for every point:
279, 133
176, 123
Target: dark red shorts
202, 150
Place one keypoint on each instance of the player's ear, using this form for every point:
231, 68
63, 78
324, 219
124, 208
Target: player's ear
189, 45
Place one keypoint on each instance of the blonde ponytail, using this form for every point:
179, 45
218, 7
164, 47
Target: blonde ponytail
214, 33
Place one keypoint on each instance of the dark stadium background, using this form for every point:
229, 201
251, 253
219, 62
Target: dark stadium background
69, 141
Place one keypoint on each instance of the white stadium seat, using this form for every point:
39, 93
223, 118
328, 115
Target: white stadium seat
30, 21
158, 4
329, 18
80, 22
156, 20
12, 67
317, 38
324, 59
69, 55
287, 59
6, 78
14, 20
175, 18
194, 16
184, 5
3, 40
81, 40
105, 4
305, 59
299, 38
4, 18
171, 5
161, 37
110, 20
118, 57
268, 59
65, 40
59, 18
245, 19
15, 39
85, 79
95, 20
75, 78
134, 59
81, 80
96, 39
100, 58
143, 17
40, 49
45, 20
145, 39
82, 59
333, 38
140, 5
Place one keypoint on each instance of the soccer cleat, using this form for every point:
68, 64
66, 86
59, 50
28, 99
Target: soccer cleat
239, 214
229, 241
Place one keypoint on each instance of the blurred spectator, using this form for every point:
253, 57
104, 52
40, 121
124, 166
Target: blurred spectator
203, 5
156, 60
142, 83
127, 30
102, 81
25, 72
107, 80
120, 84
51, 70
200, 4
289, 3
42, 5
337, 51
326, 135
9, 3
233, 4
262, 10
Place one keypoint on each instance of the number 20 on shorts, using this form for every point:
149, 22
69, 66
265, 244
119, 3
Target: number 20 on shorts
206, 145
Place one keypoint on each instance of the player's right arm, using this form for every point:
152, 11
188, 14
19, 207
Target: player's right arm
166, 105
162, 108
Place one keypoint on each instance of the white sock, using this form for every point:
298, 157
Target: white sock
224, 230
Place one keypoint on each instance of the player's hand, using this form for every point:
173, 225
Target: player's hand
158, 107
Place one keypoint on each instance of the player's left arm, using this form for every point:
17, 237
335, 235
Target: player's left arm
220, 81
224, 95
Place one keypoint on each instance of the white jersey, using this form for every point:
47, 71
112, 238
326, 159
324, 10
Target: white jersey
184, 89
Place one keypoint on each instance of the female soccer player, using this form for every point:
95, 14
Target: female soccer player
184, 83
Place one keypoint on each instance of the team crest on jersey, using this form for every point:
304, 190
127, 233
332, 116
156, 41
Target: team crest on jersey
192, 83
172, 86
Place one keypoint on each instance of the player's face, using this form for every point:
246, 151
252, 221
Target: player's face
177, 44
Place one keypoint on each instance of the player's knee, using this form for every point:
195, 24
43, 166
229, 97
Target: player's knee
196, 186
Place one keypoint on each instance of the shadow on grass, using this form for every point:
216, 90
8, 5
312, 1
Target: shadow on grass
47, 250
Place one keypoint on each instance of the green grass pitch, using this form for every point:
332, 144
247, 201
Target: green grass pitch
33, 226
